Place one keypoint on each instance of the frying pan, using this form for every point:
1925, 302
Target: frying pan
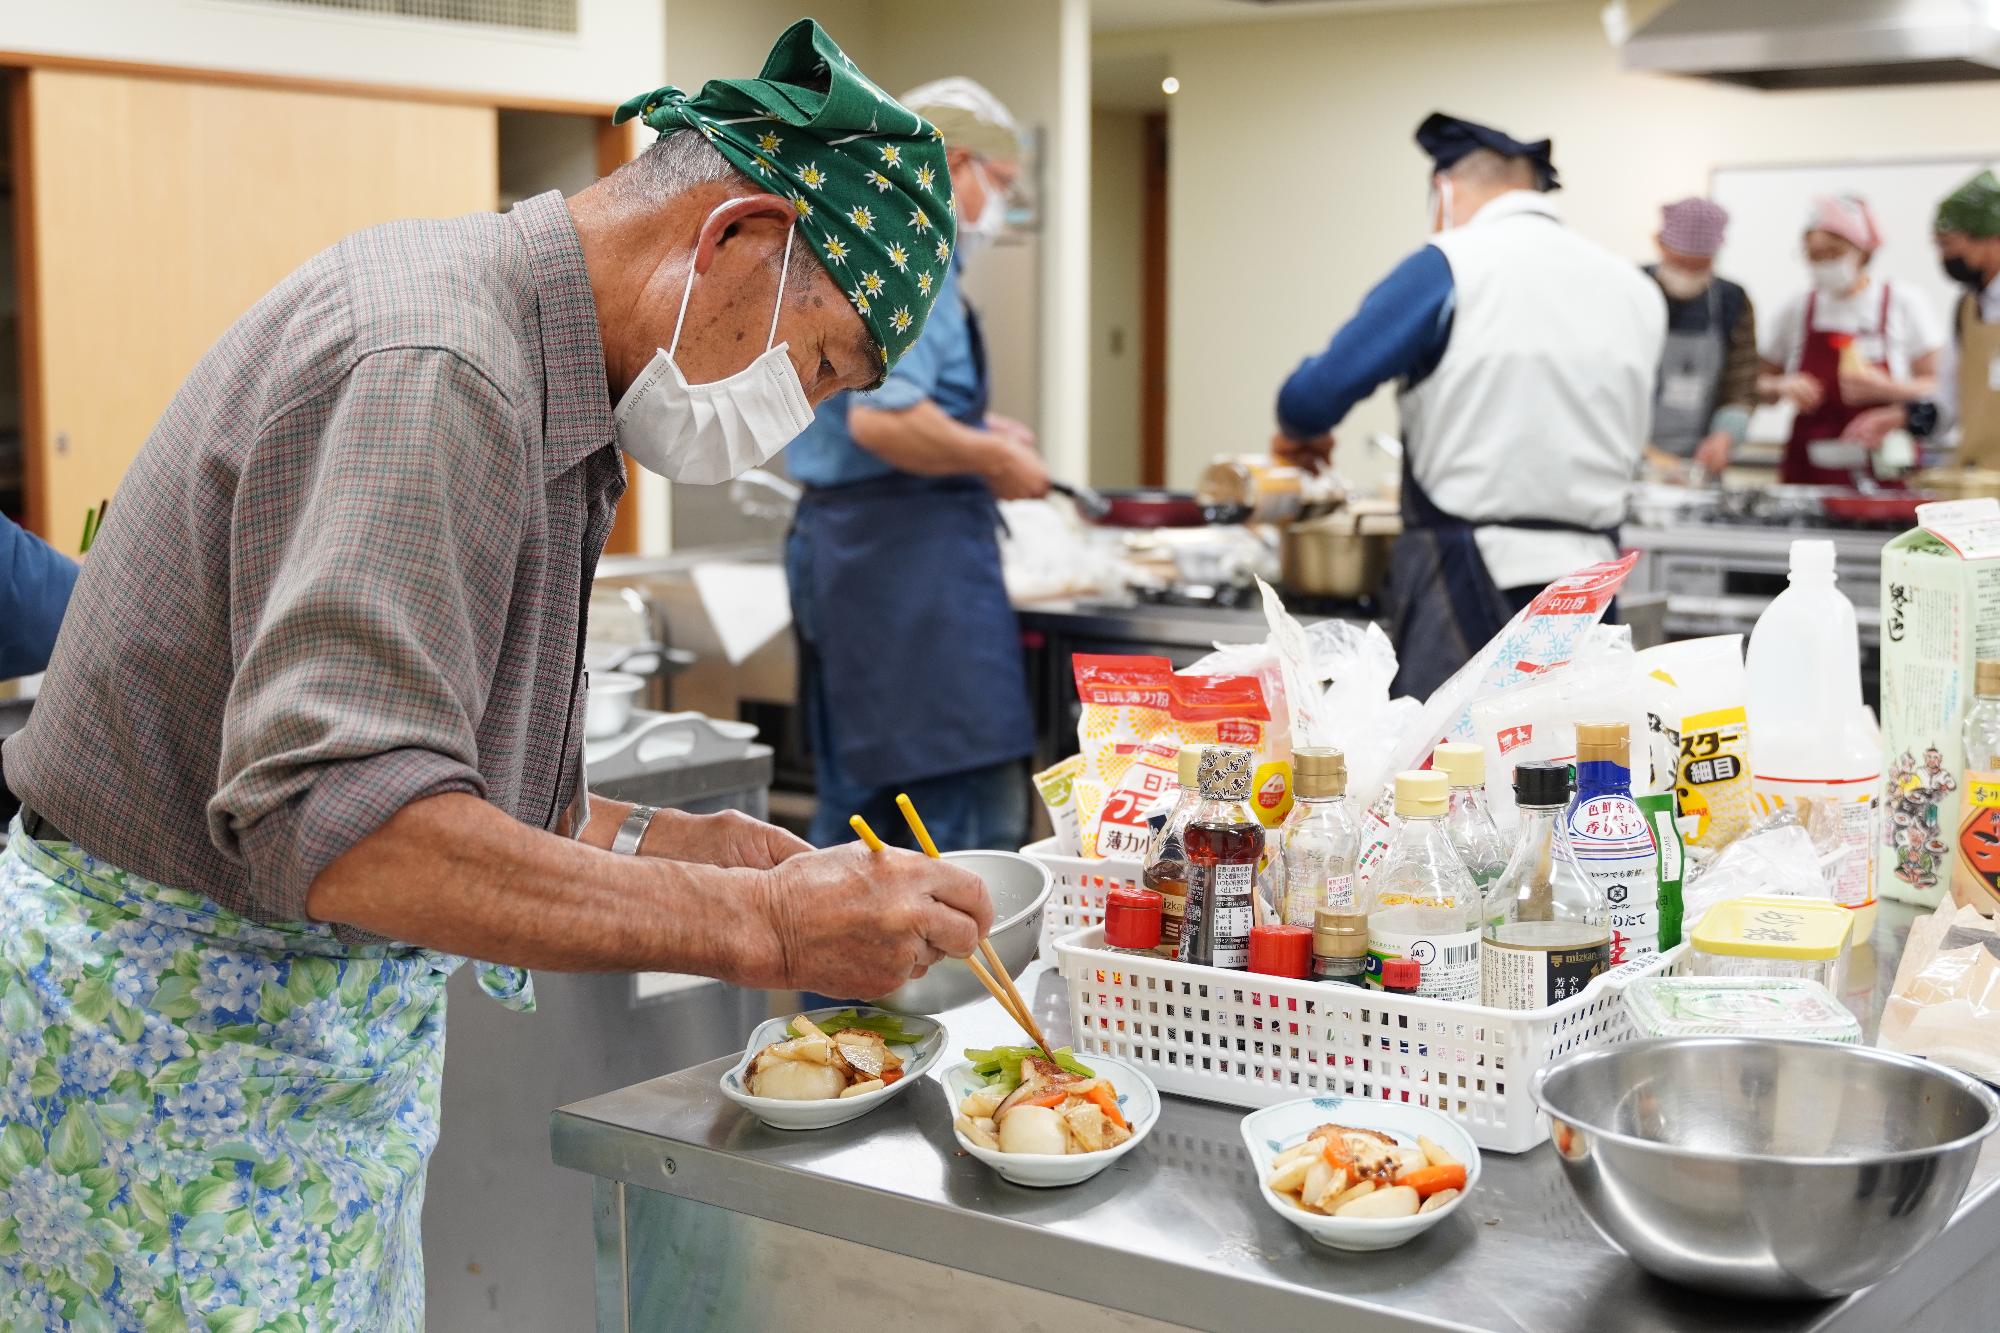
1146, 507
1879, 507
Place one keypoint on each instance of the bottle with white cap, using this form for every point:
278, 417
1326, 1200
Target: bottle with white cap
1422, 904
1812, 741
1469, 823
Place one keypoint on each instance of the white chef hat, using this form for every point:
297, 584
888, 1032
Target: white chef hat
969, 116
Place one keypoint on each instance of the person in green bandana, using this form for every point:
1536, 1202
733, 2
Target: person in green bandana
312, 736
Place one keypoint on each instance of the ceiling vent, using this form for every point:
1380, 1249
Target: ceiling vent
531, 15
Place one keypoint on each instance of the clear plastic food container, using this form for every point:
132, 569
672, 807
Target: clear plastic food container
1738, 1007
1768, 935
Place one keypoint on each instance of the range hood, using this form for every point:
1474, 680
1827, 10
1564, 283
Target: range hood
1788, 44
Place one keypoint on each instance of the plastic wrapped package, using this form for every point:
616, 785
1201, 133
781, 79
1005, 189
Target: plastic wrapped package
1738, 1007
1778, 856
1946, 1002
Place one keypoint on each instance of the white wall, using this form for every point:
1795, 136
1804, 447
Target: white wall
615, 53
1117, 188
1294, 184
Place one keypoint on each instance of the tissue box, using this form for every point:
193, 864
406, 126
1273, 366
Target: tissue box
1940, 615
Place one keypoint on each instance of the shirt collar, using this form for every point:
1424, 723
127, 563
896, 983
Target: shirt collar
576, 404
1989, 300
1515, 202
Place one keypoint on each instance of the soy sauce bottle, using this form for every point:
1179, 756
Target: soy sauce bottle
1223, 844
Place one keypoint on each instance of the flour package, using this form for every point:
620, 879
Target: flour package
1697, 704
1940, 615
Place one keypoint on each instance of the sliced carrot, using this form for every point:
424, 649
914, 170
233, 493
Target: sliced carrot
1336, 1154
1056, 1098
1107, 1101
1433, 1179
890, 1076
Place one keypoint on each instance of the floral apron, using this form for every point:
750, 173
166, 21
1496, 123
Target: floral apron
206, 1122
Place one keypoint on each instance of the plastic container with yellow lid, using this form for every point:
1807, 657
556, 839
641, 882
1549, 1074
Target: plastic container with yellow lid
1767, 935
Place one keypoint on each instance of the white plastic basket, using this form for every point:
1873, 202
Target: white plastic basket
1246, 1039
1077, 900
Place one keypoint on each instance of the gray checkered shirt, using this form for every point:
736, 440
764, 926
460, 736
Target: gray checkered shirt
348, 569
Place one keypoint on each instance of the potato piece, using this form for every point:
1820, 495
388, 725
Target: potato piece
814, 1050
984, 1102
1291, 1177
1410, 1159
975, 1132
1033, 1129
1086, 1124
1115, 1134
1349, 1195
1322, 1177
1396, 1201
1438, 1200
805, 1027
866, 1086
1306, 1151
798, 1081
1435, 1155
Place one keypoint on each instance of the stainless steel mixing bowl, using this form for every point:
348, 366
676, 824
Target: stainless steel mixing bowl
1019, 886
1779, 1169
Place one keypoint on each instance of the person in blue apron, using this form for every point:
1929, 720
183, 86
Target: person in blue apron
911, 674
1525, 356
1708, 373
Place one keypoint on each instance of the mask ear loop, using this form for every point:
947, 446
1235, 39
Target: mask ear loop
784, 271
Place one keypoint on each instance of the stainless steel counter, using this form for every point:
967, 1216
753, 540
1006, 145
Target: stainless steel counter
706, 1219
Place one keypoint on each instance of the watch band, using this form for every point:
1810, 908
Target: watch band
626, 841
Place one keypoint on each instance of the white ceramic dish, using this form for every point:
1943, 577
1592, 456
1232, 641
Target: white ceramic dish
607, 707
918, 1058
1268, 1132
1138, 1100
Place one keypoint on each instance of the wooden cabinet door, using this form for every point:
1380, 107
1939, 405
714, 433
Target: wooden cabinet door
160, 209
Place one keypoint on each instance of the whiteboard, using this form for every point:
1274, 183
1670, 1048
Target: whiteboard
1767, 213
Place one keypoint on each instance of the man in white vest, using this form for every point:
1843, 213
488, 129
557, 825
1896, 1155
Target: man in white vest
1525, 356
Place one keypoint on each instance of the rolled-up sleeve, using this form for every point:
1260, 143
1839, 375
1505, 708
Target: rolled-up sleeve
370, 579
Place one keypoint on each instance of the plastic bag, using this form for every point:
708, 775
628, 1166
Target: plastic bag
1945, 1005
1776, 856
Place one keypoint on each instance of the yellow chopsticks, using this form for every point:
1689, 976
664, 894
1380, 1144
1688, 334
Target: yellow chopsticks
1002, 990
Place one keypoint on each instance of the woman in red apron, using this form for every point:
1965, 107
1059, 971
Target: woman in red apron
1820, 358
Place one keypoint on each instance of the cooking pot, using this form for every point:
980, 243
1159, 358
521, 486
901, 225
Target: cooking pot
1958, 483
607, 708
1344, 554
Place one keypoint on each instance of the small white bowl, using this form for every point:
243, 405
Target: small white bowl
918, 1057
1268, 1132
1138, 1101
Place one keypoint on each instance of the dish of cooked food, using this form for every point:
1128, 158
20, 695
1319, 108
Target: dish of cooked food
843, 1056
1033, 1105
1343, 1172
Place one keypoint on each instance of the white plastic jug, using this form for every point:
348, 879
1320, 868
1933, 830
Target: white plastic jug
1811, 739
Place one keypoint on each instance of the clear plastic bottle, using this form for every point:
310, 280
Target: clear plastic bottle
1320, 840
1612, 842
1223, 845
1422, 903
1469, 822
1548, 928
1982, 721
1165, 871
1811, 740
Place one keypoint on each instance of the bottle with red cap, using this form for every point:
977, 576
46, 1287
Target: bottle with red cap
1281, 951
1132, 920
1402, 976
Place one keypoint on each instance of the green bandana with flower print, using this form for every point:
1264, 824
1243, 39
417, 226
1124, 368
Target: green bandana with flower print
866, 175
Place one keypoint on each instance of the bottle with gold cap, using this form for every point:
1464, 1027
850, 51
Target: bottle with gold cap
1165, 871
1318, 844
1422, 904
1469, 822
1612, 840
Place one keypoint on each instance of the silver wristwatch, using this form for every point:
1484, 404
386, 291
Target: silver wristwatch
626, 841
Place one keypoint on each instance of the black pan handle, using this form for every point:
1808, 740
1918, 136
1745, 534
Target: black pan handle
1088, 502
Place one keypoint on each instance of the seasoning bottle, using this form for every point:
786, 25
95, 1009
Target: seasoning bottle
1340, 947
1402, 976
1548, 930
1612, 840
1422, 904
1321, 839
1132, 921
1974, 881
1469, 820
1281, 951
1223, 845
1165, 871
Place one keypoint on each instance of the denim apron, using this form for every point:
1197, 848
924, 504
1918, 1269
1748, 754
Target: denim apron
208, 1122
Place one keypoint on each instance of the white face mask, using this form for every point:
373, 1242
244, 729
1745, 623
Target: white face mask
1439, 204
1682, 284
707, 433
975, 236
1833, 277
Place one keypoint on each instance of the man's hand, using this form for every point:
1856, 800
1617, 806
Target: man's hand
1015, 430
1801, 391
851, 922
1013, 469
1712, 454
1869, 384
1873, 426
1312, 453
730, 838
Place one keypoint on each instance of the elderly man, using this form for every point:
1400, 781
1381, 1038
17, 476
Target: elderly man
315, 716
1708, 372
910, 667
1524, 353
